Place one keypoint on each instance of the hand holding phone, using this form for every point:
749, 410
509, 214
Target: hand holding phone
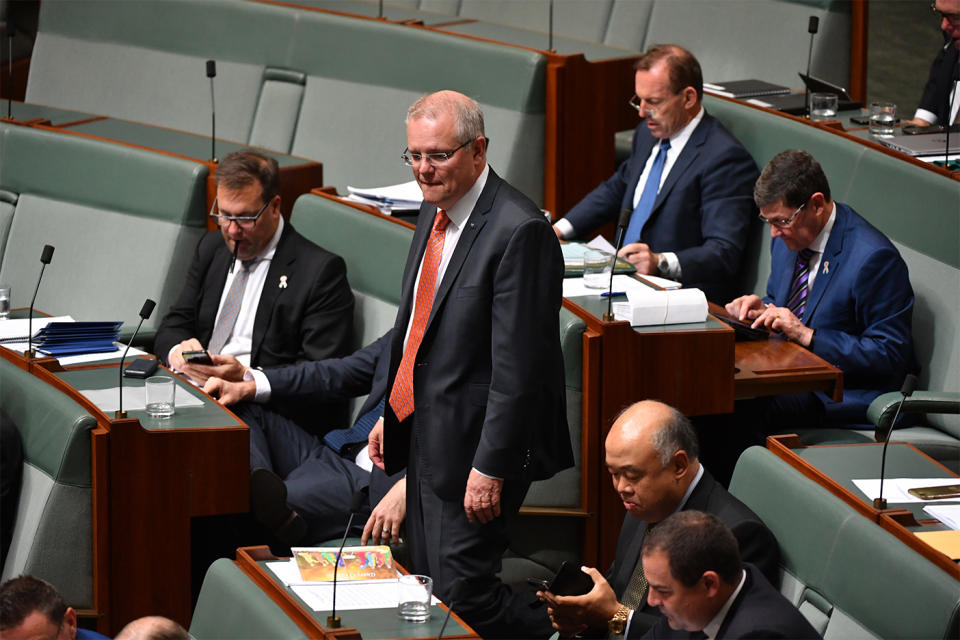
201, 356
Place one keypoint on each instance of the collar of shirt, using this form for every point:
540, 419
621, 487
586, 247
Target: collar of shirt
677, 142
693, 485
818, 245
713, 627
267, 252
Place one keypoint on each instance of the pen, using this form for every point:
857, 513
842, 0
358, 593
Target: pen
610, 294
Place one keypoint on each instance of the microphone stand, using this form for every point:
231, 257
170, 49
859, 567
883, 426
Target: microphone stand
145, 312
909, 384
11, 32
812, 27
622, 224
212, 73
45, 257
333, 620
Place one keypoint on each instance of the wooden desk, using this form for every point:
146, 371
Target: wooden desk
835, 466
150, 477
369, 623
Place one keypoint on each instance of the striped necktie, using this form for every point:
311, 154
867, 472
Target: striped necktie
797, 300
644, 206
231, 309
401, 396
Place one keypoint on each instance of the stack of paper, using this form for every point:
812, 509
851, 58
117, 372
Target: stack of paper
71, 338
398, 197
17, 330
646, 307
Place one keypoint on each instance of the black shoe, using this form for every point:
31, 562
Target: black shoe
268, 502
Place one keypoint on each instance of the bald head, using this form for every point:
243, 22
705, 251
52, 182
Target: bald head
153, 628
652, 456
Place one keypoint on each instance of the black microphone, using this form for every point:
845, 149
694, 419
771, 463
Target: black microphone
145, 312
455, 596
212, 73
45, 257
909, 384
812, 26
356, 501
11, 32
550, 27
622, 225
380, 10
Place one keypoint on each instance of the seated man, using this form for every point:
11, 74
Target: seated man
687, 182
301, 486
652, 456
702, 589
942, 88
838, 287
258, 292
32, 608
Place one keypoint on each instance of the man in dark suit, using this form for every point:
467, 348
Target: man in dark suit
653, 458
258, 294
941, 87
838, 287
476, 407
687, 181
702, 589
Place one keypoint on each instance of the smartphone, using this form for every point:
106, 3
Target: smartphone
860, 119
936, 493
140, 368
201, 356
569, 581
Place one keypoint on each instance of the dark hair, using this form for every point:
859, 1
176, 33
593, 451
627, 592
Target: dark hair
242, 168
695, 542
792, 176
683, 68
21, 596
676, 434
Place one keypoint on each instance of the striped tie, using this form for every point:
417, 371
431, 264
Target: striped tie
401, 396
231, 309
797, 300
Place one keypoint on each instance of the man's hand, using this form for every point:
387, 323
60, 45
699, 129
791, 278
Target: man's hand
639, 255
573, 614
746, 307
375, 444
176, 355
383, 525
225, 367
559, 233
919, 122
782, 319
228, 393
481, 502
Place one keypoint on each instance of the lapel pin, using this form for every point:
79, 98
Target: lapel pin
826, 266
283, 282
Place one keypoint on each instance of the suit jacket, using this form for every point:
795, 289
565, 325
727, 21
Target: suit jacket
310, 319
756, 542
703, 211
937, 89
861, 310
759, 611
488, 378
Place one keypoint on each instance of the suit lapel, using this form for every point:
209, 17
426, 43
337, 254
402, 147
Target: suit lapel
829, 263
690, 152
281, 264
417, 247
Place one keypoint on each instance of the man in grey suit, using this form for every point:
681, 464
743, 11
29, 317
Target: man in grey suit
476, 407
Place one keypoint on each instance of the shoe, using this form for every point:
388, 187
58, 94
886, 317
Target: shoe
268, 502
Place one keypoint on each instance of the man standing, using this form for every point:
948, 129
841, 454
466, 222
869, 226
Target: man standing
703, 590
652, 455
942, 85
476, 405
838, 287
687, 181
258, 294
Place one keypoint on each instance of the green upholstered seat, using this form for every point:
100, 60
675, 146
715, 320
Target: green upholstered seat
52, 537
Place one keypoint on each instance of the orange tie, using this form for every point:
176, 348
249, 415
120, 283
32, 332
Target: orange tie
401, 397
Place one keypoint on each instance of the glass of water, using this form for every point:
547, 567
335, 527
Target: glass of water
823, 106
160, 393
883, 118
413, 597
596, 269
4, 301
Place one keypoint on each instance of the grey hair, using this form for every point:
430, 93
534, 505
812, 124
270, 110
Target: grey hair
675, 434
467, 114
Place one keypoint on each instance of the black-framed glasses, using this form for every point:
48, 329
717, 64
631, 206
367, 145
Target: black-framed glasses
433, 159
952, 18
783, 223
244, 221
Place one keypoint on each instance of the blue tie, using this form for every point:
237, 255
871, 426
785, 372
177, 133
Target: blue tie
339, 438
645, 206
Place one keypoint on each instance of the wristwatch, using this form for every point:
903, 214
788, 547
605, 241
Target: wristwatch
662, 265
618, 623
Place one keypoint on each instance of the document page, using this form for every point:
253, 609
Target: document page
895, 489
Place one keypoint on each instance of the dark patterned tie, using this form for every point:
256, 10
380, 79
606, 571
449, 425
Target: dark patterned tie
636, 590
231, 309
797, 300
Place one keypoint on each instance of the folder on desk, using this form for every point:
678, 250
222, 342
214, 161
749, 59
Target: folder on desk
72, 338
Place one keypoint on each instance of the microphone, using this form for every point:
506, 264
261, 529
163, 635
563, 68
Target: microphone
550, 27
622, 225
812, 26
455, 588
380, 10
11, 31
909, 384
145, 312
45, 256
356, 501
212, 73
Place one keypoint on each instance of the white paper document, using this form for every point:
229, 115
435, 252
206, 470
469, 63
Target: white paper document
895, 489
135, 398
404, 196
948, 514
650, 307
18, 330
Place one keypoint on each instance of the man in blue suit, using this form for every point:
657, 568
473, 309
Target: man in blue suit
688, 183
837, 286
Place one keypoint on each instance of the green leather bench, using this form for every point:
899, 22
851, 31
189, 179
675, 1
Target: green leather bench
123, 221
849, 577
53, 532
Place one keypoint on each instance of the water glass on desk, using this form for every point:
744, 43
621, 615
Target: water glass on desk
883, 118
596, 269
4, 301
823, 106
413, 597
160, 392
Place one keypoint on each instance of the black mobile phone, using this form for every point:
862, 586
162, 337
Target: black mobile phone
140, 368
202, 356
569, 581
865, 119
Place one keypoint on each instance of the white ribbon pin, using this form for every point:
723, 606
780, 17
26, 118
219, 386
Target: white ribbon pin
283, 282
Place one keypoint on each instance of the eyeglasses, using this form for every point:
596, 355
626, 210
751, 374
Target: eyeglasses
433, 159
952, 18
648, 105
782, 223
245, 222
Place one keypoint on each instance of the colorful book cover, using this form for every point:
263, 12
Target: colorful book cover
356, 563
